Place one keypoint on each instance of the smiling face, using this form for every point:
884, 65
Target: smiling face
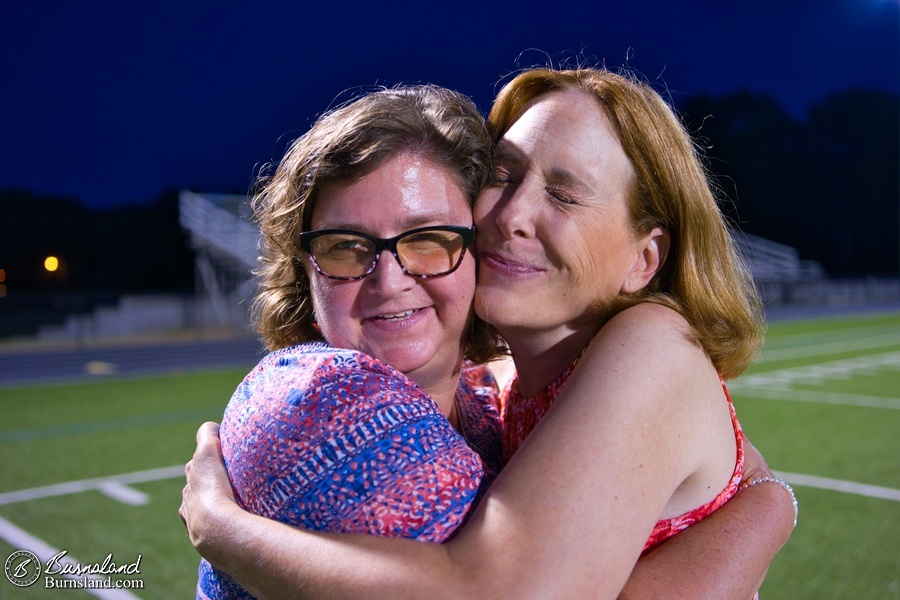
554, 233
416, 325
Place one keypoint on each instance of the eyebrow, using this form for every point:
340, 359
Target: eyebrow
565, 178
508, 153
413, 222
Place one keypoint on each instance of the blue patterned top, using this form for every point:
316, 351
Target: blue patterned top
334, 440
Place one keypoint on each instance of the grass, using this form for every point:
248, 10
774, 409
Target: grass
844, 547
73, 432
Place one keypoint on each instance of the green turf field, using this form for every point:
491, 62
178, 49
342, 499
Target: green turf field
90, 431
823, 404
824, 401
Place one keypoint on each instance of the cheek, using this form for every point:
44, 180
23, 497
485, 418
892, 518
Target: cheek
484, 205
602, 266
332, 306
589, 249
588, 278
458, 291
318, 290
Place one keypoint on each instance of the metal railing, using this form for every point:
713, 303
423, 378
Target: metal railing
217, 228
771, 262
226, 252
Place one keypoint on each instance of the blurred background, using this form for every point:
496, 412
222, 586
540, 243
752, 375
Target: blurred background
132, 134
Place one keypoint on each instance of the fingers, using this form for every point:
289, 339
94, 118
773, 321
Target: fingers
207, 454
754, 463
208, 431
208, 443
182, 510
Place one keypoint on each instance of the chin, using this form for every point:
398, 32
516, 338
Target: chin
406, 359
496, 308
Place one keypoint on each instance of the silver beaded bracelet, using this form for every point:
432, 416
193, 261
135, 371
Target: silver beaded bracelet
783, 484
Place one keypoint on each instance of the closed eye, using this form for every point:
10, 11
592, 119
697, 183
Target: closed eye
561, 195
508, 169
500, 175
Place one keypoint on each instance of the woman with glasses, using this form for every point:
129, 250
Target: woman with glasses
586, 269
364, 418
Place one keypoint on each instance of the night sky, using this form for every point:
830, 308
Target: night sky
115, 102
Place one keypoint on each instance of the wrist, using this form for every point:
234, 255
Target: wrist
777, 497
217, 531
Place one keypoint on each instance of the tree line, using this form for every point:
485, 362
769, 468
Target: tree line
128, 249
826, 184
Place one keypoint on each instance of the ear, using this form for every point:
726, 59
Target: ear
652, 250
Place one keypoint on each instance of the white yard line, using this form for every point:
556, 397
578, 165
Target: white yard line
113, 486
830, 347
124, 494
778, 384
838, 369
22, 540
791, 395
837, 485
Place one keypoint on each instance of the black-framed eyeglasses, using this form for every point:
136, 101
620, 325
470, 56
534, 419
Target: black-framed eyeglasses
423, 252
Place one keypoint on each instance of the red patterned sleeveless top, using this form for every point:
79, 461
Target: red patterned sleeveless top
520, 415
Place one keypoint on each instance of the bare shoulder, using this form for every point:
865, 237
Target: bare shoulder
652, 323
652, 340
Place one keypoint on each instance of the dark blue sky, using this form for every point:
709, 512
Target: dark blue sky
113, 102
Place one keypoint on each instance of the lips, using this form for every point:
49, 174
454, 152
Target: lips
397, 316
503, 264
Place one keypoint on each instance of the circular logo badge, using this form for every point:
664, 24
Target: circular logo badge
23, 568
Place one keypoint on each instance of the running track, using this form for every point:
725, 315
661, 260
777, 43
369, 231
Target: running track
24, 366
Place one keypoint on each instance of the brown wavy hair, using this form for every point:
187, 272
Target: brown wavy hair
703, 278
343, 145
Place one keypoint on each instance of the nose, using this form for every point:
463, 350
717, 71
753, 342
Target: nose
511, 208
388, 277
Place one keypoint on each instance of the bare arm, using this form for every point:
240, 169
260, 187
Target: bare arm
269, 558
724, 556
727, 554
567, 518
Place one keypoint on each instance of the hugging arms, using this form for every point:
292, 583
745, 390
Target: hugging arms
599, 243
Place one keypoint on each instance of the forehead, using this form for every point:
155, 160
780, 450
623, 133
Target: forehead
405, 191
568, 136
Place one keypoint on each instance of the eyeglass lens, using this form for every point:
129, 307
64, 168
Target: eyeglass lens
429, 252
